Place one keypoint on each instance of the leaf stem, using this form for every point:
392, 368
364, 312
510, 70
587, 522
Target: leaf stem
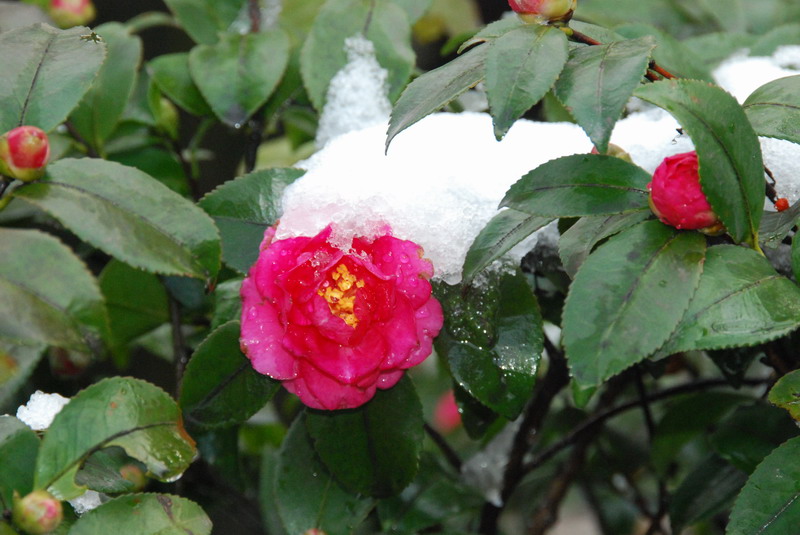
180, 355
654, 73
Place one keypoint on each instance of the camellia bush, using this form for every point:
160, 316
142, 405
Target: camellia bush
310, 267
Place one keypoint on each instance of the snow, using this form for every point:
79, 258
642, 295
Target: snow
442, 179
40, 410
357, 95
86, 502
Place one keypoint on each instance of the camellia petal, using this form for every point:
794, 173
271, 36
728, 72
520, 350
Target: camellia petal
334, 325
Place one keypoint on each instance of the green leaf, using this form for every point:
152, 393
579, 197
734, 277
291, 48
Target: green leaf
500, 235
689, 418
709, 489
102, 471
57, 303
598, 81
372, 450
171, 73
670, 53
768, 503
227, 302
45, 74
786, 394
521, 67
740, 301
244, 208
17, 362
414, 8
136, 303
380, 21
436, 88
19, 446
434, 496
129, 215
774, 109
577, 243
731, 169
492, 31
307, 495
220, 387
145, 514
103, 105
610, 321
748, 435
775, 226
130, 413
579, 185
765, 45
498, 366
203, 20
237, 75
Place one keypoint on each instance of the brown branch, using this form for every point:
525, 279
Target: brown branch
654, 72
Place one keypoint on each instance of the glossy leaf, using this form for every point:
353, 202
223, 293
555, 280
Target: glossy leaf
145, 514
203, 20
740, 301
227, 302
500, 235
775, 226
307, 495
709, 489
577, 243
628, 297
129, 215
493, 351
372, 450
57, 303
598, 81
434, 89
774, 109
18, 449
17, 362
171, 73
492, 31
220, 387
579, 185
768, 503
731, 168
380, 21
237, 75
136, 303
130, 413
102, 471
45, 74
103, 105
786, 394
521, 67
243, 209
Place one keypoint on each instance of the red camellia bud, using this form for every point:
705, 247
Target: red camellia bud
676, 197
24, 152
544, 10
782, 204
38, 512
69, 13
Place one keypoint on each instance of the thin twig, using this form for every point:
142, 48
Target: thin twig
254, 12
178, 343
654, 73
601, 417
655, 519
79, 138
449, 453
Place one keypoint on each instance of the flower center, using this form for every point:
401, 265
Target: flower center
341, 295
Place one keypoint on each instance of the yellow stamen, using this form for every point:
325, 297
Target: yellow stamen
341, 296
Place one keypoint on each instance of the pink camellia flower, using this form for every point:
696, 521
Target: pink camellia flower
69, 13
544, 10
335, 325
24, 152
446, 416
676, 197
